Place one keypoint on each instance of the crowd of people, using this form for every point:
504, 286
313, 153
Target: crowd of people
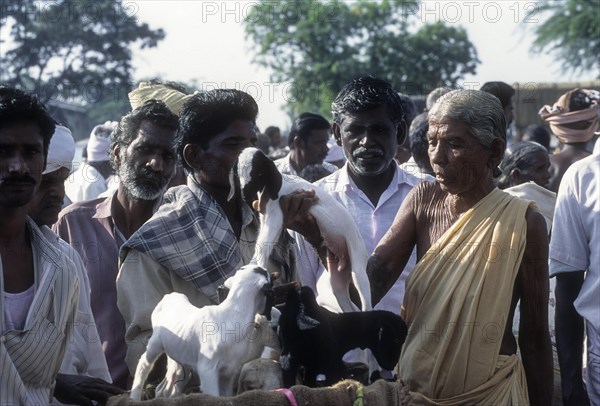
488, 249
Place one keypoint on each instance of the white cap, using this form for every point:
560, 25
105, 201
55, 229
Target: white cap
99, 142
61, 150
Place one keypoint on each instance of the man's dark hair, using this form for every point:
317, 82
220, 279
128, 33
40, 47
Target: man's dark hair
154, 111
419, 144
271, 131
208, 114
17, 106
503, 91
537, 133
304, 124
409, 109
368, 93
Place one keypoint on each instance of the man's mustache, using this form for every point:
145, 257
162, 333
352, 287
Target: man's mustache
145, 173
18, 180
371, 150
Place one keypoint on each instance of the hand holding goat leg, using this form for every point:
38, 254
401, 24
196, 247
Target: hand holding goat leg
258, 176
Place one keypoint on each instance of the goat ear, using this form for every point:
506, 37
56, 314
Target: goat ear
232, 183
273, 179
305, 322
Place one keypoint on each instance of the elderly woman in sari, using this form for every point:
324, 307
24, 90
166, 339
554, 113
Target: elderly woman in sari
480, 251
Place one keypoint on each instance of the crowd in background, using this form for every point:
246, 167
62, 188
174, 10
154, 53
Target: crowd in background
88, 249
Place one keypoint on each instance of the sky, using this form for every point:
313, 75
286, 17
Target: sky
205, 42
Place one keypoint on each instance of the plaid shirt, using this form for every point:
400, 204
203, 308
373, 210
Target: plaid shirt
190, 235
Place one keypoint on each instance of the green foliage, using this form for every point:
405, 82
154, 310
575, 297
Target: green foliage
77, 51
571, 33
321, 45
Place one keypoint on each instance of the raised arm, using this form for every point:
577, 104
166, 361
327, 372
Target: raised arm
393, 251
534, 339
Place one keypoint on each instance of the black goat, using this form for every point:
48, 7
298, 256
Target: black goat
317, 339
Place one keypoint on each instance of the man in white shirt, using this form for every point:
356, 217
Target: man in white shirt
370, 185
575, 261
367, 124
94, 176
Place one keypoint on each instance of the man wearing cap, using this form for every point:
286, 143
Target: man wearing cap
94, 176
142, 153
84, 359
574, 120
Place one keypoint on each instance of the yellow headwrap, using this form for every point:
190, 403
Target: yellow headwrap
573, 126
174, 99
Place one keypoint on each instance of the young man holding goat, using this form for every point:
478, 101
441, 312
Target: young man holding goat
200, 236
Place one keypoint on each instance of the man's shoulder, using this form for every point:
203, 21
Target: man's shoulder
181, 207
588, 166
412, 176
283, 165
330, 182
82, 209
182, 199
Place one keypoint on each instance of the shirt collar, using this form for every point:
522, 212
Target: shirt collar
345, 182
103, 208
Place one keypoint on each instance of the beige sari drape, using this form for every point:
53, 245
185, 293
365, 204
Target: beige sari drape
457, 303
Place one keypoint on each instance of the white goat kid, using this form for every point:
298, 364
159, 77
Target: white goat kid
262, 336
259, 176
209, 340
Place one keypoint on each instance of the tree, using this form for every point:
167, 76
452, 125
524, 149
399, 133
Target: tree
77, 51
321, 45
571, 33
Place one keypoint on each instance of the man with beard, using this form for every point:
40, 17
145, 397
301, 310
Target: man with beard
142, 153
368, 123
38, 285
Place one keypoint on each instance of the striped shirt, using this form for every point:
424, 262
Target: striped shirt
84, 354
30, 358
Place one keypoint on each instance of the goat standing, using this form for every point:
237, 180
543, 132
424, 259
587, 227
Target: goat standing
209, 340
317, 339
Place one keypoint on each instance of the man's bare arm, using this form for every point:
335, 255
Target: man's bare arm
534, 338
569, 338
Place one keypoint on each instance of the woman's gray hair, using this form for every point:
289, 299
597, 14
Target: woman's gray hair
480, 111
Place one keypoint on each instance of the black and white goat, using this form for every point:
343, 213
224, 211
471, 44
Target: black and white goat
258, 176
317, 339
208, 340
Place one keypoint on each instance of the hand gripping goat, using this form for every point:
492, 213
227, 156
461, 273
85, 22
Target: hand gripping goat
258, 174
209, 340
